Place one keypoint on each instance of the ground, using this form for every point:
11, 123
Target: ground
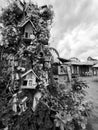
93, 96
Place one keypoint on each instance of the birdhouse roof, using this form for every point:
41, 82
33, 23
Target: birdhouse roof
95, 66
24, 22
31, 70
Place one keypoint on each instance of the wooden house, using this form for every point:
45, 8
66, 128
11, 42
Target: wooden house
28, 80
81, 68
95, 70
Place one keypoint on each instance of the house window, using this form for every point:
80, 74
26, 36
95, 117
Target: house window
30, 82
62, 70
25, 83
26, 34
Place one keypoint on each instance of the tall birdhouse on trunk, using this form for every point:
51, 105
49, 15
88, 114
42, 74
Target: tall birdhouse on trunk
47, 62
28, 80
28, 29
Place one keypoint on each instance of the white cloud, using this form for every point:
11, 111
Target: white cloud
81, 42
75, 31
75, 28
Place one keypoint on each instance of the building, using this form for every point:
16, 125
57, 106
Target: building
82, 68
95, 70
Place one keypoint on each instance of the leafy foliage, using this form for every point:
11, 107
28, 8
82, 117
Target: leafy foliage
72, 111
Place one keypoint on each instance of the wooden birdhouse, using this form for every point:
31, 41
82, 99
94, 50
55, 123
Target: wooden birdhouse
62, 69
23, 105
28, 29
44, 78
47, 62
29, 80
64, 73
61, 73
19, 105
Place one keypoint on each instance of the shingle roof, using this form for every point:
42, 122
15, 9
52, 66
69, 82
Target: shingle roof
64, 60
95, 66
31, 70
82, 63
24, 22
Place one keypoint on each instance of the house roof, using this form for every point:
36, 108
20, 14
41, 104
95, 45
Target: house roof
64, 60
82, 63
95, 66
31, 70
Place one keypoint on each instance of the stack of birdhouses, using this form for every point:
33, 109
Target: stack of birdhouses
19, 102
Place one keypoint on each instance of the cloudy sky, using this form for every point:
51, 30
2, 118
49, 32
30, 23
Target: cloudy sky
75, 28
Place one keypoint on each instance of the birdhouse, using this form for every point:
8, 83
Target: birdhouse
47, 62
64, 73
60, 73
28, 30
29, 80
62, 69
22, 105
44, 78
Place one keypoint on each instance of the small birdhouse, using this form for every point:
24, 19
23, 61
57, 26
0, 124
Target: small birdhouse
29, 80
62, 69
28, 29
44, 78
22, 105
47, 58
47, 62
